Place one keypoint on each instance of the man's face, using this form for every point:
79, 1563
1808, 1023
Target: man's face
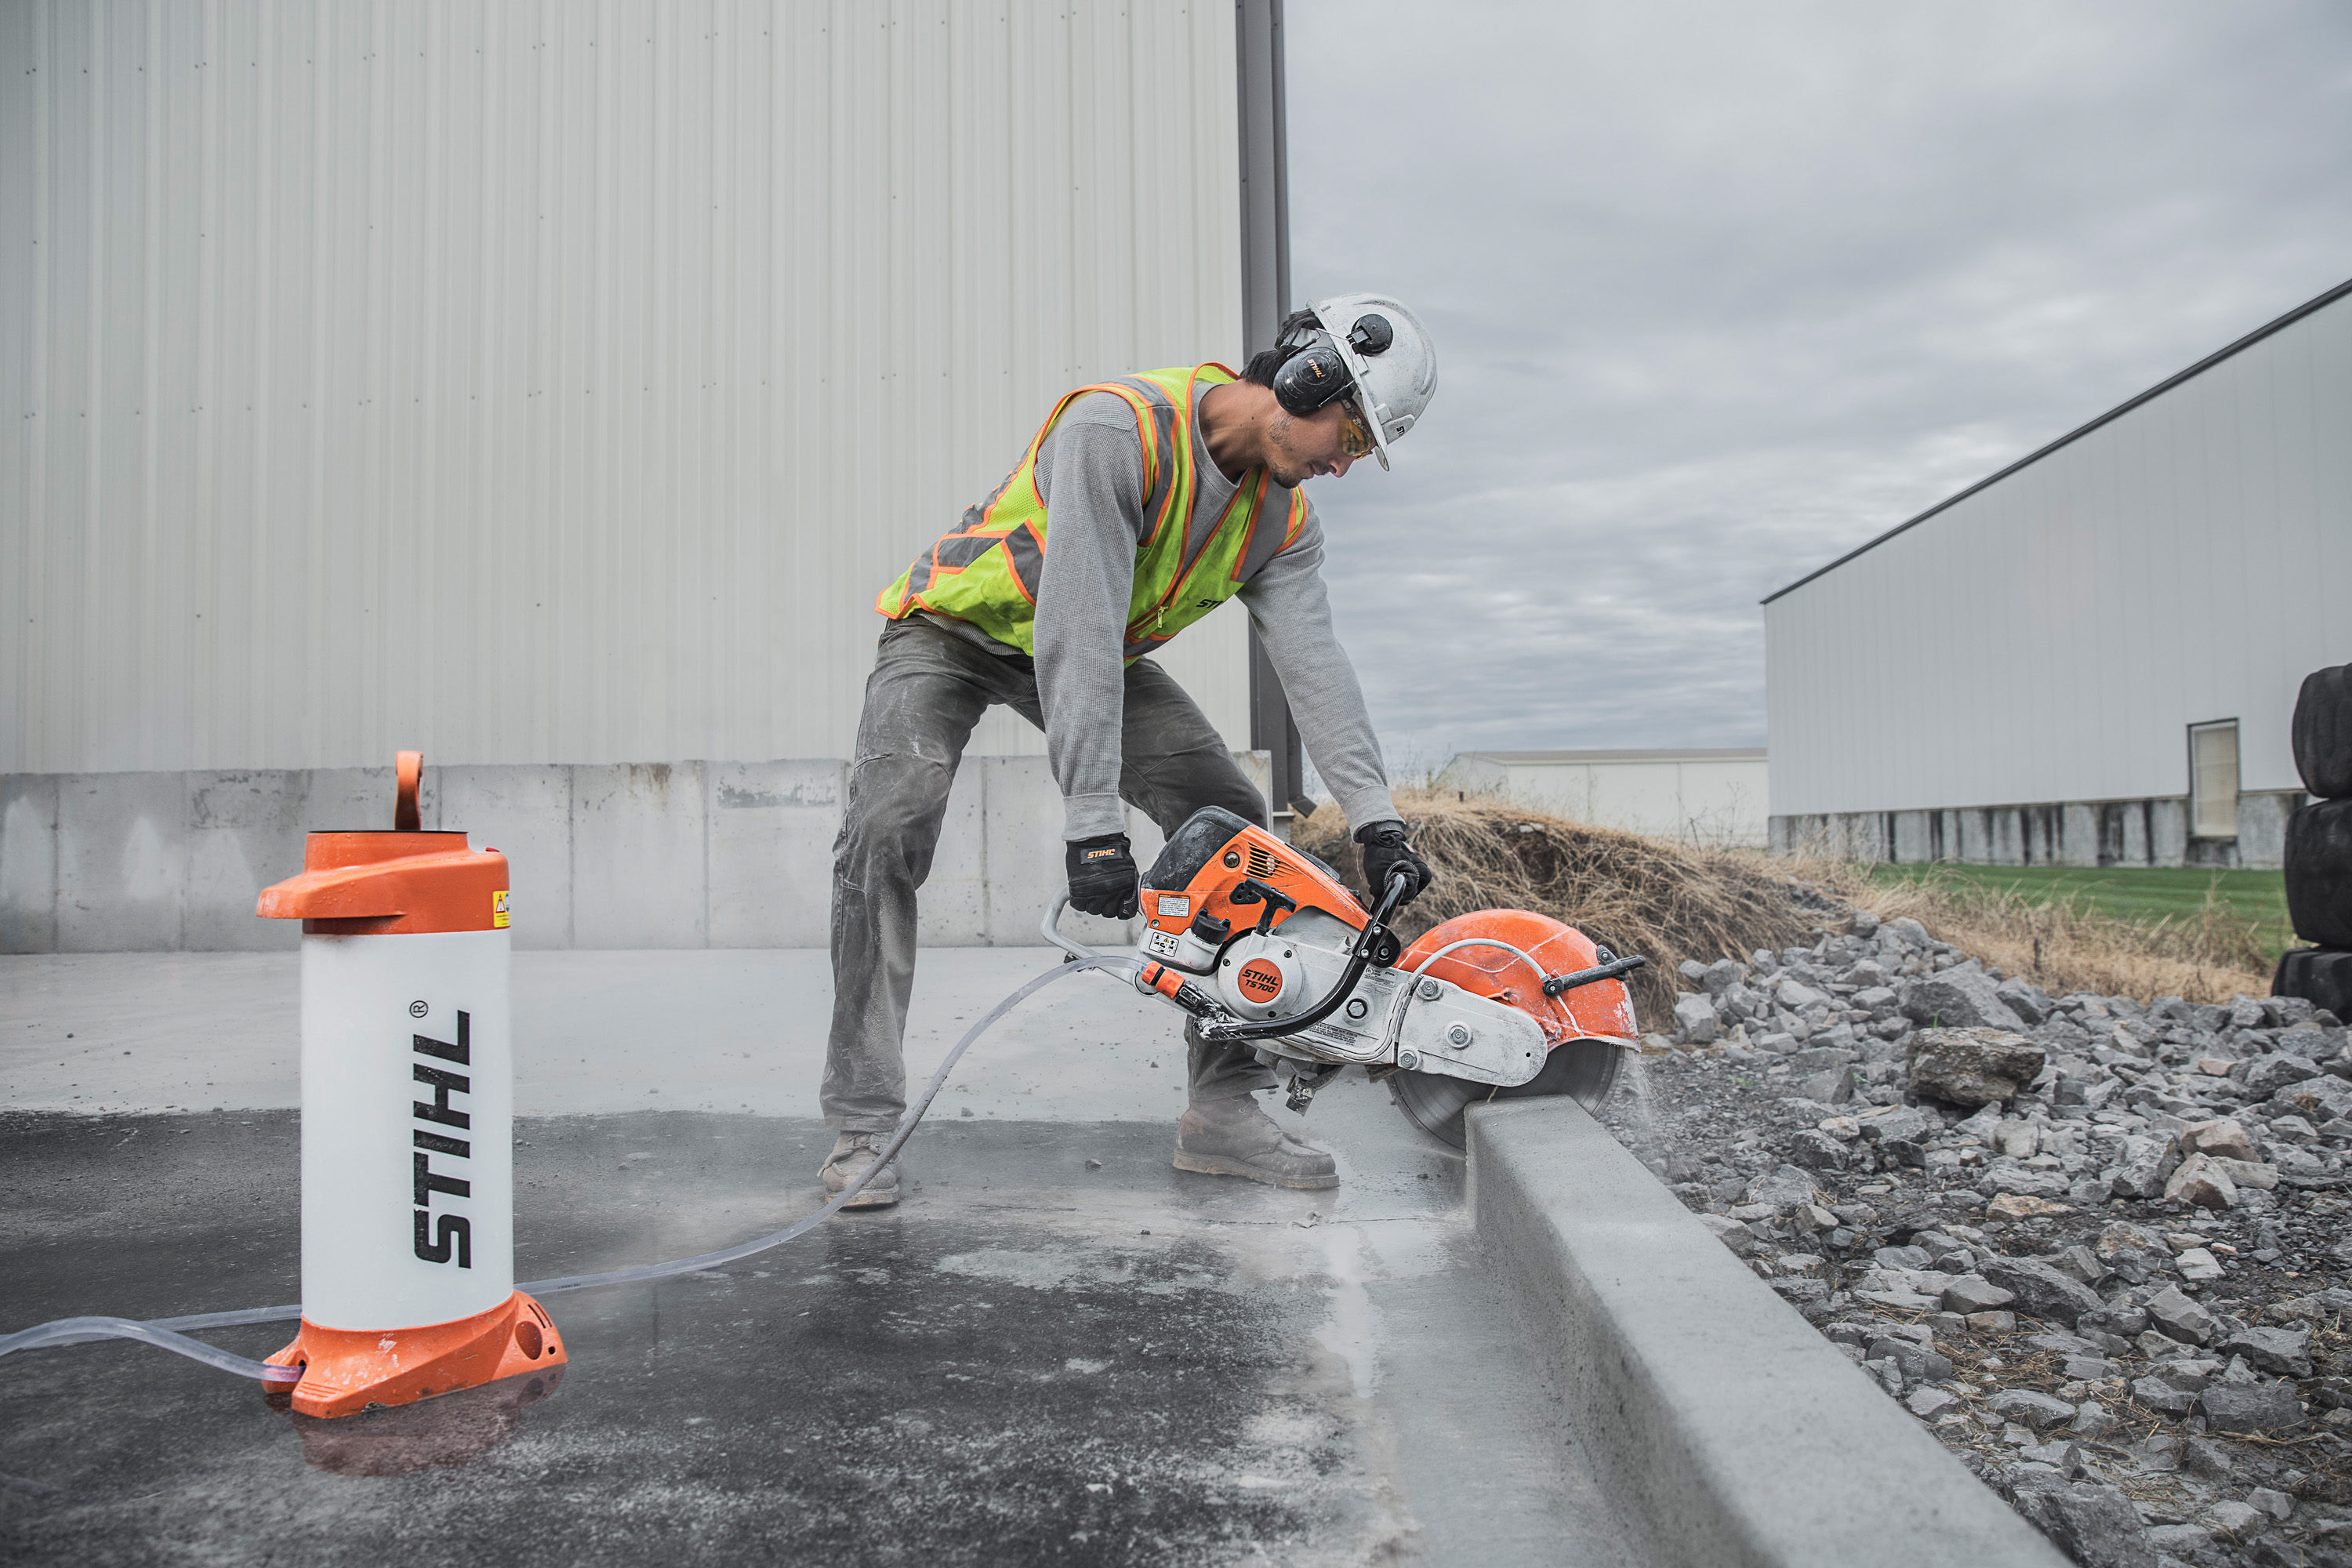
1305, 446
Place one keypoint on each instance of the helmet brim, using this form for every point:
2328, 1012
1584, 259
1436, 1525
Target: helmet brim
1357, 374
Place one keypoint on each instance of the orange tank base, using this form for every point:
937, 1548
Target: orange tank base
344, 1371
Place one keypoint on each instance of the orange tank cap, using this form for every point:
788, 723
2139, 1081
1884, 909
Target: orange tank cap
375, 884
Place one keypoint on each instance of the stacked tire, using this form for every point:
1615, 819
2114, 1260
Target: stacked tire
2319, 847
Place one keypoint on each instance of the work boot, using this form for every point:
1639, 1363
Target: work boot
1232, 1137
852, 1153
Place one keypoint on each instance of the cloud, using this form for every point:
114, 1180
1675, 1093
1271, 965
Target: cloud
1723, 290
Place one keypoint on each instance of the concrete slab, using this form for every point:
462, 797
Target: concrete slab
638, 877
245, 832
525, 814
28, 863
953, 908
122, 861
1057, 1350
771, 830
345, 800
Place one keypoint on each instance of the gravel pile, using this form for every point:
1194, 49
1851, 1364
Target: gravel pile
2098, 1246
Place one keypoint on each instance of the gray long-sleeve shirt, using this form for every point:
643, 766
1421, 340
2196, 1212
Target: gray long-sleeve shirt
1090, 473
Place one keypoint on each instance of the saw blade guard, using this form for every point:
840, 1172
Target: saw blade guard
1482, 961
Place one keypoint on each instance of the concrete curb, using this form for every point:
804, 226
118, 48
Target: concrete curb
1715, 1413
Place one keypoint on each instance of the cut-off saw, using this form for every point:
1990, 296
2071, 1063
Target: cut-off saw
1258, 942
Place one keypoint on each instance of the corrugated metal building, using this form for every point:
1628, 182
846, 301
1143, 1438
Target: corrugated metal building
1704, 794
2090, 658
557, 384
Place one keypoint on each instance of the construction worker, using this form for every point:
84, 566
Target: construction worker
1141, 505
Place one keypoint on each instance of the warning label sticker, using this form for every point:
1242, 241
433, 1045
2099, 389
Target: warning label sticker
498, 910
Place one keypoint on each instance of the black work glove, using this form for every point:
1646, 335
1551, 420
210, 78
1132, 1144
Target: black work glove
1386, 852
1103, 878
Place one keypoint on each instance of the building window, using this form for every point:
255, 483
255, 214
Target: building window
2213, 780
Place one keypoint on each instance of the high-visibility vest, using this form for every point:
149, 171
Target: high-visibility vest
987, 572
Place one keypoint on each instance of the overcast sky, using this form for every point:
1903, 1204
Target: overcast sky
1721, 291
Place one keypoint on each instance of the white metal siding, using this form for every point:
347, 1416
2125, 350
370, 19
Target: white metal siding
2053, 636
556, 382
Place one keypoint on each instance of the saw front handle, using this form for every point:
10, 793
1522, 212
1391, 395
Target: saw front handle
1051, 929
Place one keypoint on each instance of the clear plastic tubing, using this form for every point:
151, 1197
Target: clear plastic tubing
168, 1333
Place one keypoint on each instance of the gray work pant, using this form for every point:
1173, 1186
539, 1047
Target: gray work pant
929, 688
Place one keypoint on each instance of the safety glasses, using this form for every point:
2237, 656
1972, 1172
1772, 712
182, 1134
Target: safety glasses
1355, 433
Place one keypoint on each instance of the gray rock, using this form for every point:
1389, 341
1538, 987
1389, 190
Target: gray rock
1907, 1122
2080, 1262
1784, 1187
1834, 1087
2160, 1397
1975, 1293
1695, 1021
2211, 1461
2272, 1501
2268, 1075
2092, 1522
2025, 1182
2233, 1519
2028, 1407
1974, 1066
1960, 998
1907, 932
1720, 976
1731, 1232
2251, 1407
2027, 1002
2317, 1099
2287, 1352
2178, 1318
1917, 1362
1929, 1402
2040, 1289
2147, 1162
1797, 997
1817, 1151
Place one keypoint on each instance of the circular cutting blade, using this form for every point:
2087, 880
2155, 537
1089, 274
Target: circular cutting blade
1583, 1069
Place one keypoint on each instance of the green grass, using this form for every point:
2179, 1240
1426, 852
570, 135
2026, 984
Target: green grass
2137, 894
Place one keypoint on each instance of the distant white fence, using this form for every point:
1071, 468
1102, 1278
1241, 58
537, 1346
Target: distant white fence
1714, 795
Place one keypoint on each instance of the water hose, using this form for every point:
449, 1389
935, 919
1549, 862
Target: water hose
168, 1333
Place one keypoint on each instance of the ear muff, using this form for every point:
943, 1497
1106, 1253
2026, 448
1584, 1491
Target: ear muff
1313, 377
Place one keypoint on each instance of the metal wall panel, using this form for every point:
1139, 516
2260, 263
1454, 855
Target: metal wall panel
2052, 636
557, 382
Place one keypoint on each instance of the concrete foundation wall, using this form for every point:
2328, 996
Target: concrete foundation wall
646, 854
2071, 833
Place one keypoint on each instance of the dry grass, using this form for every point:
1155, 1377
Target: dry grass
2065, 945
1674, 900
1652, 895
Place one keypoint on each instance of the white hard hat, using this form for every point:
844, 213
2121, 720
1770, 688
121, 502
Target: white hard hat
1388, 351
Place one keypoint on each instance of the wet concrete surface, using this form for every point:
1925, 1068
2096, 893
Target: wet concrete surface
1057, 1350
1030, 1360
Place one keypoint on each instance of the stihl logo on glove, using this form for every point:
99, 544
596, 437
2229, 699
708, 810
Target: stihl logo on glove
1103, 854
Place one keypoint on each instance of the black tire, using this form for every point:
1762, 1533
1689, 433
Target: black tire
1434, 1102
2322, 732
2320, 975
2319, 872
